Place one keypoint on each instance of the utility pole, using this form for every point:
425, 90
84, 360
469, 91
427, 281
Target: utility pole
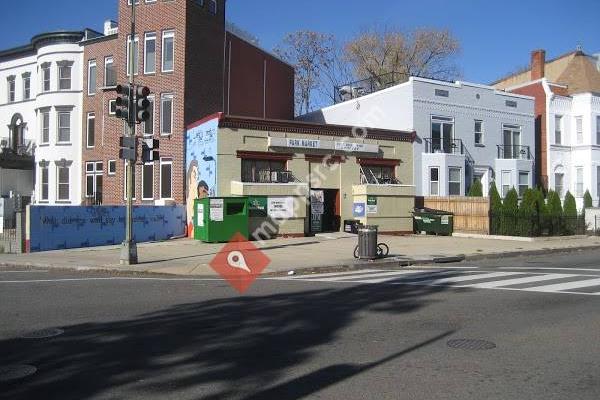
129, 248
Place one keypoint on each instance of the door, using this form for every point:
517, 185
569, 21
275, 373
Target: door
442, 134
512, 141
329, 220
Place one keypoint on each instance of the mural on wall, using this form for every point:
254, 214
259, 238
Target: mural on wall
68, 227
200, 166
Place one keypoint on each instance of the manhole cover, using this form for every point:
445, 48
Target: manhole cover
43, 333
471, 344
14, 372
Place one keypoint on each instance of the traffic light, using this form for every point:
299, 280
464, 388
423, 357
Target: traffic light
124, 102
150, 150
128, 148
142, 104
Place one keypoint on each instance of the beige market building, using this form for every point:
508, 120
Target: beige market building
303, 178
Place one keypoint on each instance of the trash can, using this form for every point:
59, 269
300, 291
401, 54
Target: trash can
351, 226
367, 242
218, 219
432, 221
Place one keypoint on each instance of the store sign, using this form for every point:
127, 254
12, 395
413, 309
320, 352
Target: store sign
304, 143
371, 204
317, 144
280, 207
358, 210
216, 210
257, 206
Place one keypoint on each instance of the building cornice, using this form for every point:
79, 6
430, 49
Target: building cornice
44, 39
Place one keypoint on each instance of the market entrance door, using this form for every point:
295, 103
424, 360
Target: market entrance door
324, 210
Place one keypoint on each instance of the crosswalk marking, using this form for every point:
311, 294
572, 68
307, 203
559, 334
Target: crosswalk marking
503, 280
566, 286
520, 281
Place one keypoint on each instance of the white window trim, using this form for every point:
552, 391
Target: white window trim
11, 81
577, 192
26, 79
109, 107
93, 173
58, 199
166, 35
58, 141
107, 63
58, 69
172, 98
482, 141
144, 180
46, 69
502, 184
47, 169
89, 117
114, 162
148, 37
164, 161
91, 91
136, 39
558, 128
432, 181
42, 112
519, 181
577, 137
460, 181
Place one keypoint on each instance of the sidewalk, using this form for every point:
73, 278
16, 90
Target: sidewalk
189, 257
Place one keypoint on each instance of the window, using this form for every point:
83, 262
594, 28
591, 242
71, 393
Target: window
523, 183
376, 174
506, 183
166, 114
110, 75
579, 129
478, 132
511, 103
558, 129
45, 126
212, 6
598, 130
148, 125
64, 76
62, 179
261, 171
442, 93
512, 143
442, 135
92, 77
454, 181
46, 77
166, 171
45, 184
26, 86
148, 181
64, 126
93, 180
125, 181
112, 167
150, 53
559, 184
136, 45
10, 82
434, 181
579, 182
168, 51
91, 130
112, 107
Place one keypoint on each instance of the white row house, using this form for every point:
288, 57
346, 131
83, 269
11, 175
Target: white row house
41, 87
465, 131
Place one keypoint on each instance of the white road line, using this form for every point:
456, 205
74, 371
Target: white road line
518, 281
428, 276
565, 286
22, 272
357, 272
552, 269
350, 278
113, 279
471, 277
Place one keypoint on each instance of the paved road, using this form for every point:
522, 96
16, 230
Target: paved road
343, 336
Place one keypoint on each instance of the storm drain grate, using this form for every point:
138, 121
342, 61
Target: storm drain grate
471, 344
14, 372
43, 333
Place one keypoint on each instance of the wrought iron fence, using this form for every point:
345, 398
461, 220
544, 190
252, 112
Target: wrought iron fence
536, 225
514, 152
441, 145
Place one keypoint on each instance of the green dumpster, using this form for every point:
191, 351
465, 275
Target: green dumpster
433, 221
218, 219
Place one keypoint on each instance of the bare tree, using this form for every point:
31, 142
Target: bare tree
307, 51
423, 52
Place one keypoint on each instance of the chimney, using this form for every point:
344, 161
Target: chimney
538, 64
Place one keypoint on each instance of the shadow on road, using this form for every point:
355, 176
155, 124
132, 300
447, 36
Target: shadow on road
237, 347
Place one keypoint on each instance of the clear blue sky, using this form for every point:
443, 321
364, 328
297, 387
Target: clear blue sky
496, 36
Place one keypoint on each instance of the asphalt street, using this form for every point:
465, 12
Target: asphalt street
512, 328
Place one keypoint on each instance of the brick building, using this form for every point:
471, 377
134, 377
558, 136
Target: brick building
194, 66
567, 119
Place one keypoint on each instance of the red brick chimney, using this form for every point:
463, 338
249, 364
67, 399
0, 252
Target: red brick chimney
538, 64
